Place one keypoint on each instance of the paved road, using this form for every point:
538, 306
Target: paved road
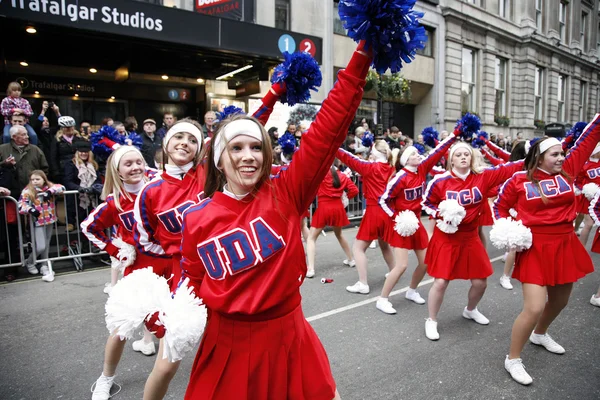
53, 335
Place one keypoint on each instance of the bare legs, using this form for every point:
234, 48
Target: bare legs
112, 354
588, 224
311, 242
343, 242
510, 262
358, 250
388, 254
401, 257
437, 291
160, 377
476, 292
305, 231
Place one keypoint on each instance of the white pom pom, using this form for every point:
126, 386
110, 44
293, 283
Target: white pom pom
577, 191
407, 223
513, 212
446, 227
132, 299
184, 318
452, 212
345, 200
589, 190
126, 252
511, 235
115, 263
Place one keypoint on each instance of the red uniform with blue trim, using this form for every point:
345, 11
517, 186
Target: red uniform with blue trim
330, 210
594, 211
158, 213
461, 255
107, 216
405, 192
375, 176
498, 151
556, 256
246, 261
589, 174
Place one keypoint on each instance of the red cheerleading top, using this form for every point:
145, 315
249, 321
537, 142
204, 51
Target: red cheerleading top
560, 205
497, 150
326, 189
405, 190
245, 257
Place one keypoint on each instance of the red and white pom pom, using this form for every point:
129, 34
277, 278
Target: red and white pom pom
589, 190
513, 213
115, 263
132, 299
345, 200
446, 227
510, 234
126, 252
452, 212
406, 223
577, 191
184, 318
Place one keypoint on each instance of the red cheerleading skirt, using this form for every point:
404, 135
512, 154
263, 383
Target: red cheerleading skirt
306, 214
556, 257
459, 255
418, 241
280, 358
159, 265
583, 205
596, 242
330, 212
373, 225
485, 218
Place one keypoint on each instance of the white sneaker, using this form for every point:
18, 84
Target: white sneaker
385, 306
413, 295
505, 282
44, 270
595, 301
358, 287
49, 277
517, 371
349, 263
147, 349
476, 316
107, 289
373, 245
310, 273
431, 329
546, 341
102, 389
32, 269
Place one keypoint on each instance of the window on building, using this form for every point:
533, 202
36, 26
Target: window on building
500, 86
504, 8
282, 14
562, 21
562, 94
598, 41
538, 93
338, 27
582, 101
538, 14
469, 78
583, 31
428, 50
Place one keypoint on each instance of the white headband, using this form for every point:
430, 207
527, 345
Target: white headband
236, 128
460, 145
180, 127
546, 144
377, 155
408, 151
120, 152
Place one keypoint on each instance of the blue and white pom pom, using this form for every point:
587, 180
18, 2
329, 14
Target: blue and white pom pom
406, 223
420, 148
511, 235
589, 190
135, 139
287, 141
100, 149
368, 139
575, 132
300, 73
390, 27
479, 141
430, 136
227, 112
452, 214
469, 125
529, 144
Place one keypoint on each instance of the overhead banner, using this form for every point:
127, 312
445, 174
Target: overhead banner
241, 10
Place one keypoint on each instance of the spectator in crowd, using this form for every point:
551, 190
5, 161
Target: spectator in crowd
21, 158
131, 124
67, 137
85, 129
359, 149
393, 139
9, 233
168, 120
151, 143
120, 127
107, 121
274, 135
47, 137
443, 135
209, 126
14, 104
81, 174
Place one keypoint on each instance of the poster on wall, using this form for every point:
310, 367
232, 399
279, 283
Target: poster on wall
219, 104
240, 10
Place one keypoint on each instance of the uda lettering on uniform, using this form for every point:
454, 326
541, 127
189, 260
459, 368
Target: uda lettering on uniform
593, 173
465, 196
414, 193
555, 186
236, 251
128, 220
173, 218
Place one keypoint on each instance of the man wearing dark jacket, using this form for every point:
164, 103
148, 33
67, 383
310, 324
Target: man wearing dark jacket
151, 142
21, 158
47, 138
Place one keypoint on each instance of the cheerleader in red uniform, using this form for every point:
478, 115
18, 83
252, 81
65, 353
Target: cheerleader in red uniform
125, 177
375, 175
594, 211
455, 251
544, 198
242, 253
402, 200
587, 181
330, 212
158, 214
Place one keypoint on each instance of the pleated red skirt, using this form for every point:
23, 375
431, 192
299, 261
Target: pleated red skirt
556, 257
583, 204
485, 218
277, 359
160, 266
373, 225
459, 255
418, 241
330, 212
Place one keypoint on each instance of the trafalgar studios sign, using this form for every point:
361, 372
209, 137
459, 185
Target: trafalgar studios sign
233, 9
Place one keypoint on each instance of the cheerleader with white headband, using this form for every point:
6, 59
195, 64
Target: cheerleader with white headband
588, 182
401, 201
125, 177
455, 200
375, 175
550, 258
